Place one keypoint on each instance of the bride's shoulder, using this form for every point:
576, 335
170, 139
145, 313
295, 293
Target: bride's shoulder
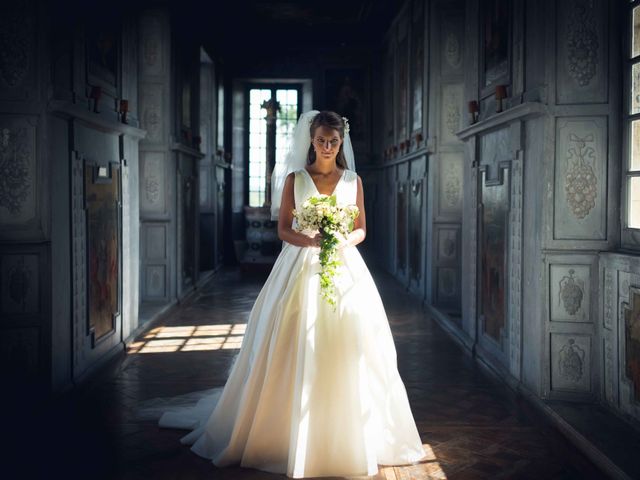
353, 176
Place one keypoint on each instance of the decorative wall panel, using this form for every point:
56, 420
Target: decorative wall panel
152, 112
452, 42
151, 44
18, 45
570, 293
153, 182
155, 282
18, 173
580, 206
447, 285
19, 353
451, 113
20, 284
155, 241
582, 51
448, 244
570, 362
450, 183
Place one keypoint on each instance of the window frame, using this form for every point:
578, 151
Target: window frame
273, 86
630, 236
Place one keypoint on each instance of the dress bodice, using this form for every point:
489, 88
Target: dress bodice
346, 190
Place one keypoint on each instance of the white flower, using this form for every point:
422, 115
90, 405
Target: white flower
346, 125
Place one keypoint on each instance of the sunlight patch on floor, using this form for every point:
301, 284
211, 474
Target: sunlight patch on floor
190, 338
427, 468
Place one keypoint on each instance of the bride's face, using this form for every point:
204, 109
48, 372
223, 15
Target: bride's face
326, 143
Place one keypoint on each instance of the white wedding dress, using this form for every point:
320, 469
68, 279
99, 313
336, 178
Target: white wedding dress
313, 391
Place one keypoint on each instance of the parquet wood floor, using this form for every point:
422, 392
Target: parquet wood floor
473, 427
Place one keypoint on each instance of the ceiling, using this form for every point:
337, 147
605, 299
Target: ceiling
244, 26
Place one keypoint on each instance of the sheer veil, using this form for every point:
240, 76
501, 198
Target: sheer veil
296, 158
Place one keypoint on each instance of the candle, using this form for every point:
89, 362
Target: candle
474, 108
501, 92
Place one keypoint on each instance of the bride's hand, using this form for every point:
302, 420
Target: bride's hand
342, 241
315, 240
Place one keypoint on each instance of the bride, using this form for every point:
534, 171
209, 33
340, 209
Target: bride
314, 390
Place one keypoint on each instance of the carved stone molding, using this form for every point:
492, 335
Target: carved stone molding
610, 287
522, 111
515, 269
79, 257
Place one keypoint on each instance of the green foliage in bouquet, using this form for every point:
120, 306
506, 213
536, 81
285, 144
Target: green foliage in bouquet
322, 213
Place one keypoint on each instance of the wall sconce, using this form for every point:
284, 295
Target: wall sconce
124, 109
501, 94
96, 93
473, 111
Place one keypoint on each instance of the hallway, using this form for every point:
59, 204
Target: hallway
472, 425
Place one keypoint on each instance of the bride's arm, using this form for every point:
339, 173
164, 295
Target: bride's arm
285, 217
359, 231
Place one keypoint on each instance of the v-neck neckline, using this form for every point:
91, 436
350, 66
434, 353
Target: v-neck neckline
314, 183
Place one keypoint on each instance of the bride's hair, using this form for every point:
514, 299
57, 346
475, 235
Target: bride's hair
329, 119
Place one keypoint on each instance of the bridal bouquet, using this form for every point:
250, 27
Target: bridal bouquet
321, 213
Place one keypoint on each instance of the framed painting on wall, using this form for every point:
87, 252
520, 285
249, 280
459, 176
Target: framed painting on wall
347, 93
102, 199
417, 73
389, 90
102, 42
494, 241
403, 86
495, 51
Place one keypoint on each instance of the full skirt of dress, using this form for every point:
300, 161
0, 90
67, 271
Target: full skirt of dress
314, 391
